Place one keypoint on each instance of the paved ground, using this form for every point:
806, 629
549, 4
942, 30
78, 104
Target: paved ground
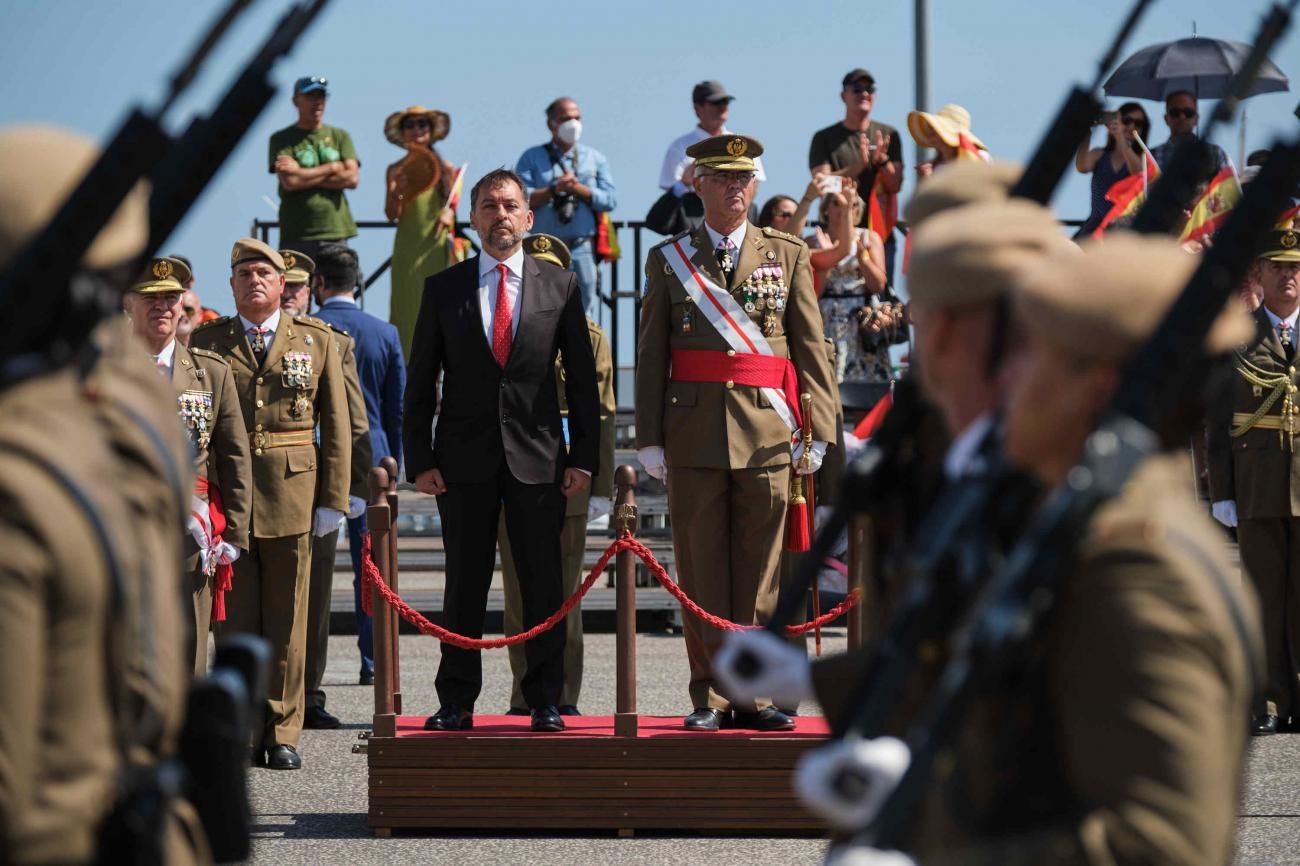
317, 815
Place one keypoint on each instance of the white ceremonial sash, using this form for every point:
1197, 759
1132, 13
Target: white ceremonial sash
213, 549
731, 321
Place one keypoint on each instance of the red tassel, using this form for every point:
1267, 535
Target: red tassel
220, 586
367, 563
796, 528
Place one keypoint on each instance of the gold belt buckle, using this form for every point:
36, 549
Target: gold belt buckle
260, 439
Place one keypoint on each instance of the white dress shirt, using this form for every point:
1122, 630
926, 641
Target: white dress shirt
676, 160
166, 358
489, 277
737, 238
1290, 320
272, 322
962, 458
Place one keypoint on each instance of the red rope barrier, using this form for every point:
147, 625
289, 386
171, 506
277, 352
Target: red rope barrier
372, 577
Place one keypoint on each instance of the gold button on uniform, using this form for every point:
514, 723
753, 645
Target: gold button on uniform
730, 384
260, 404
260, 380
674, 400
257, 451
258, 428
731, 353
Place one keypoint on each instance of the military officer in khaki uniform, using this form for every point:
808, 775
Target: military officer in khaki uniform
1255, 473
730, 337
71, 704
290, 381
296, 301
580, 509
209, 412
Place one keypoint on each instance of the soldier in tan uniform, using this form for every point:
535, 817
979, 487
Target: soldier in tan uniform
209, 412
290, 380
1255, 473
580, 509
296, 301
719, 374
93, 660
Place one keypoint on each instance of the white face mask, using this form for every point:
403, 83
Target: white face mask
570, 131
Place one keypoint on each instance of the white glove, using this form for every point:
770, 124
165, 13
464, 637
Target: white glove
325, 521
847, 781
1225, 511
816, 453
232, 553
852, 445
356, 507
779, 671
598, 506
652, 458
851, 856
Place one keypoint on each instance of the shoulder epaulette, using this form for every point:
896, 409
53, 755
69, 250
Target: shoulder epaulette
212, 323
666, 241
313, 321
209, 354
770, 232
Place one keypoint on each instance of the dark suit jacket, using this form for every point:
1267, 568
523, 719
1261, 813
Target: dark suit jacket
489, 414
382, 372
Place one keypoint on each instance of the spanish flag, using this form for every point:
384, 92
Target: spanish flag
1126, 195
1213, 207
968, 149
457, 186
1288, 218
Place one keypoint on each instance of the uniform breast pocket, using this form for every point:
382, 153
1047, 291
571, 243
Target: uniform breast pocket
300, 460
682, 395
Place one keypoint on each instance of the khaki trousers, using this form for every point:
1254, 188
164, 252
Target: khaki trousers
728, 532
269, 599
200, 587
321, 588
1270, 556
573, 545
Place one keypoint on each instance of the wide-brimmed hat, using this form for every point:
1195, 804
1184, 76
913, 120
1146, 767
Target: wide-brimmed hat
947, 125
439, 122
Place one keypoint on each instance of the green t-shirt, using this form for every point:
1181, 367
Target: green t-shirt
314, 214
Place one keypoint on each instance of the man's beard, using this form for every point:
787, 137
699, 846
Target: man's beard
504, 242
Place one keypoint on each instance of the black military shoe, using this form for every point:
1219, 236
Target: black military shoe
1262, 725
569, 710
519, 711
766, 719
450, 718
367, 678
705, 719
547, 720
319, 719
283, 758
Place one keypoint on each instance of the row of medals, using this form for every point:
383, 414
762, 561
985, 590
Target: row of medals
765, 290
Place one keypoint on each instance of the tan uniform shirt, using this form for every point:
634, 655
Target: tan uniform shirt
602, 483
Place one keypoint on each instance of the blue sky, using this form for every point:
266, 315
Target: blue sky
493, 67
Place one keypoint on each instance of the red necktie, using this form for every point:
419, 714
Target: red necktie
501, 321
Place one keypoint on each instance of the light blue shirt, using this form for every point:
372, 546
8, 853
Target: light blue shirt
591, 169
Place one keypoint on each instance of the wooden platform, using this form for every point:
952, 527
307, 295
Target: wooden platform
500, 774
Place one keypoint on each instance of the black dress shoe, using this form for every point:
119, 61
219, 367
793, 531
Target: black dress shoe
319, 719
1261, 725
706, 719
547, 719
569, 710
518, 711
450, 718
283, 758
367, 678
766, 719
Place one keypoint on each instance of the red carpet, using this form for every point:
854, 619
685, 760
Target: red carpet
806, 727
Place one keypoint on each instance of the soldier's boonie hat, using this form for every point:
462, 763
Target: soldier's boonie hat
251, 249
164, 274
1283, 245
726, 152
39, 168
548, 248
971, 254
961, 183
298, 267
1103, 304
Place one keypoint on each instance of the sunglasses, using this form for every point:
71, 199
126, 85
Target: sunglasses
864, 87
1182, 112
1134, 120
783, 214
416, 123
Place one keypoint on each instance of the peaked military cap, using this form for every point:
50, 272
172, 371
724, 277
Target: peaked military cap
726, 152
548, 248
251, 249
164, 274
1282, 245
298, 267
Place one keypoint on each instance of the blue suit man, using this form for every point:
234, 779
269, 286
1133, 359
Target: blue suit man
382, 372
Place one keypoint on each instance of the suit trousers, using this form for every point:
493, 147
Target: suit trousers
573, 547
200, 587
728, 532
321, 588
1270, 555
269, 599
470, 512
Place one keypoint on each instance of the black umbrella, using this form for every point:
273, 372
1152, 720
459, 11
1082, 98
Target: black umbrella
1198, 65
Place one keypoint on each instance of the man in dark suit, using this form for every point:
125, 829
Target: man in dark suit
492, 326
381, 371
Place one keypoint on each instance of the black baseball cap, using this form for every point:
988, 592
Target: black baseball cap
855, 74
710, 91
310, 84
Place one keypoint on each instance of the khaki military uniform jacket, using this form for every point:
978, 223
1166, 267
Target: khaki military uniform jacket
221, 452
708, 424
298, 387
1119, 737
602, 482
1260, 468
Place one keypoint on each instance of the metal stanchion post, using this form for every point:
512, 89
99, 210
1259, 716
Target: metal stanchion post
389, 465
379, 522
860, 554
625, 514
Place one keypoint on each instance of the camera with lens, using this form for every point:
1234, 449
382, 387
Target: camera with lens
565, 203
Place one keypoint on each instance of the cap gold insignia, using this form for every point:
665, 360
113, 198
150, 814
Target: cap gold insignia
1289, 240
737, 147
542, 245
290, 260
162, 269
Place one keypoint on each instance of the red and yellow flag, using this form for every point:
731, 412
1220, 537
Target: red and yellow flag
1288, 218
457, 186
1213, 207
1126, 195
968, 149
876, 219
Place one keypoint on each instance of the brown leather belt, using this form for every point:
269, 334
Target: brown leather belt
269, 439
